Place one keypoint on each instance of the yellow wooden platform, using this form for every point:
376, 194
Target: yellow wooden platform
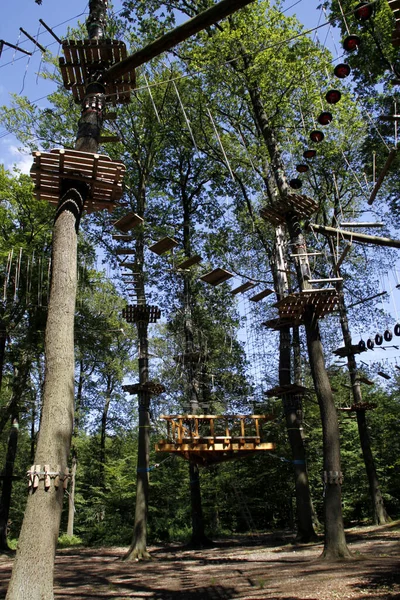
209, 439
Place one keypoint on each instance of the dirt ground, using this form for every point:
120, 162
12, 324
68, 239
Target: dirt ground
257, 567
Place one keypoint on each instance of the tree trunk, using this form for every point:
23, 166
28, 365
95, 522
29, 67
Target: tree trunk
292, 405
71, 501
138, 548
198, 538
380, 515
103, 431
335, 543
5, 501
3, 339
33, 572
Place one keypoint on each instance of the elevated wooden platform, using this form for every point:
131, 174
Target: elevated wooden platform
99, 172
293, 306
357, 407
302, 205
278, 323
216, 277
85, 58
248, 285
128, 222
189, 262
141, 312
285, 390
151, 387
163, 246
343, 353
209, 439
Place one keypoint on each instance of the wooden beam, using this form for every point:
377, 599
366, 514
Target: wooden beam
341, 258
361, 238
386, 167
164, 43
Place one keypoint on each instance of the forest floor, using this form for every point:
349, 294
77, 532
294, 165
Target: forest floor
257, 567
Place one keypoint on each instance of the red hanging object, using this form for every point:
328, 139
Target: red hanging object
309, 153
325, 118
333, 96
351, 43
295, 184
316, 136
342, 70
302, 168
363, 11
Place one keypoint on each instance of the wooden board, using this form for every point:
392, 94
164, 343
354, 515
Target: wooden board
216, 277
141, 312
163, 245
189, 262
290, 389
261, 295
102, 175
128, 222
302, 205
243, 288
83, 60
150, 387
293, 306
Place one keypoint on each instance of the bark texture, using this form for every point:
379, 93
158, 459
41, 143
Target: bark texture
33, 571
5, 501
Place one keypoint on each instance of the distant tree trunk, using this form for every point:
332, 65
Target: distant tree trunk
103, 432
33, 572
71, 500
380, 515
198, 538
3, 339
5, 501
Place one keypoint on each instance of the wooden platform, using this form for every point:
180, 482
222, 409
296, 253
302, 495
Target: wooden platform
209, 439
128, 222
141, 312
357, 407
302, 205
216, 277
163, 245
279, 323
189, 262
293, 306
103, 176
286, 390
248, 285
150, 387
343, 353
261, 295
83, 61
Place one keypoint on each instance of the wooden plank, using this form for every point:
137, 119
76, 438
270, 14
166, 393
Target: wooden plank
386, 167
164, 43
216, 277
361, 238
261, 295
163, 245
165, 446
189, 262
128, 222
342, 257
243, 288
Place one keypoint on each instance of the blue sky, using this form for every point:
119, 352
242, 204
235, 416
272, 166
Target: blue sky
18, 72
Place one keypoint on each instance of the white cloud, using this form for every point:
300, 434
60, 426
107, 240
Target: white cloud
13, 157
